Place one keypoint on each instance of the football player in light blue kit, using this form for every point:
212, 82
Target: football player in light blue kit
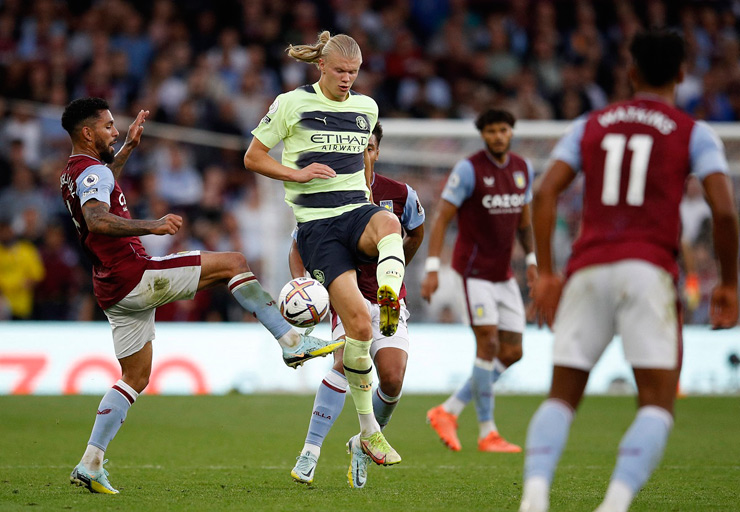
325, 128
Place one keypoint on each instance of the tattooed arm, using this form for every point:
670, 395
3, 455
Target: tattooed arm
100, 220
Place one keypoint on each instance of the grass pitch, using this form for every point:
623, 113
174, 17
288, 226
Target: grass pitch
236, 452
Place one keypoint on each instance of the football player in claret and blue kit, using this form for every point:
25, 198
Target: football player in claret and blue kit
635, 157
129, 285
489, 193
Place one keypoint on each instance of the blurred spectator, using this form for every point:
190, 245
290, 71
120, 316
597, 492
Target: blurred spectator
178, 181
21, 270
56, 293
21, 195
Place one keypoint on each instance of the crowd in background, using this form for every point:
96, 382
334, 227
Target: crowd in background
217, 67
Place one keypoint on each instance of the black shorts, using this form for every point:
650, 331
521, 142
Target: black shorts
328, 247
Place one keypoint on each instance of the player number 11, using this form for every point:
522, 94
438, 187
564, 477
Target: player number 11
614, 144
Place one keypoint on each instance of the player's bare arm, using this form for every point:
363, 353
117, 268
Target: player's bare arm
547, 288
133, 137
412, 242
525, 236
724, 300
445, 213
99, 220
257, 159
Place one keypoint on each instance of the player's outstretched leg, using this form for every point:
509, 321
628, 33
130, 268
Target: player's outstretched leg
112, 411
327, 406
390, 271
297, 348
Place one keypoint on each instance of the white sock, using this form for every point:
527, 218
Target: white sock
454, 405
485, 428
536, 495
618, 497
290, 339
312, 449
93, 458
368, 424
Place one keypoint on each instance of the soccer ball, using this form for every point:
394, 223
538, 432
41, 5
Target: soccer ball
304, 302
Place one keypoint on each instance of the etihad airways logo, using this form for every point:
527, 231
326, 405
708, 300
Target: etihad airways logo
338, 138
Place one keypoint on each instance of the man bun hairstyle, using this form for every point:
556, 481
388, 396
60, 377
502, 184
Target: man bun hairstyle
658, 55
494, 115
340, 44
80, 110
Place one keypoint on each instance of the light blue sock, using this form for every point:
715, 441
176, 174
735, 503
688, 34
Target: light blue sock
251, 296
482, 388
111, 414
642, 446
546, 438
327, 405
465, 392
383, 406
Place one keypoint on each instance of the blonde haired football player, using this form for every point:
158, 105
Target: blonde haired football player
325, 128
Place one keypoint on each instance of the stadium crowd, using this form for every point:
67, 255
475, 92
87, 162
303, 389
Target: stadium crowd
196, 65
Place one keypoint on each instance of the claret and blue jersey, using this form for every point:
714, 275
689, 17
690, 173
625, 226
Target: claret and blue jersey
635, 157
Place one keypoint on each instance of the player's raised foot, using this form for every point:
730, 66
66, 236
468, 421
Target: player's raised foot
377, 448
93, 481
358, 462
390, 309
445, 425
493, 442
304, 468
308, 348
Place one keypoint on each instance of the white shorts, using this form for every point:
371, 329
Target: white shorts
400, 340
497, 304
633, 298
132, 319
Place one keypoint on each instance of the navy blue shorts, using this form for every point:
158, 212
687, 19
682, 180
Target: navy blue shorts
328, 247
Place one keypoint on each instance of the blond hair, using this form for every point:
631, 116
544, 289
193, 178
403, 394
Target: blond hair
340, 44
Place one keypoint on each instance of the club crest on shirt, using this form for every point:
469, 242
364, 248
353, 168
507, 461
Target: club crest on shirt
361, 123
489, 181
519, 179
387, 204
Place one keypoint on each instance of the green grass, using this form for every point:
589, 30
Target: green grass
236, 452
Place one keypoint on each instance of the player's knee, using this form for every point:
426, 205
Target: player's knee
391, 384
138, 380
238, 263
359, 325
510, 354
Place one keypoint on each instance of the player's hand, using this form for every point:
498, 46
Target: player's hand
133, 137
429, 285
723, 307
314, 170
168, 225
546, 296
